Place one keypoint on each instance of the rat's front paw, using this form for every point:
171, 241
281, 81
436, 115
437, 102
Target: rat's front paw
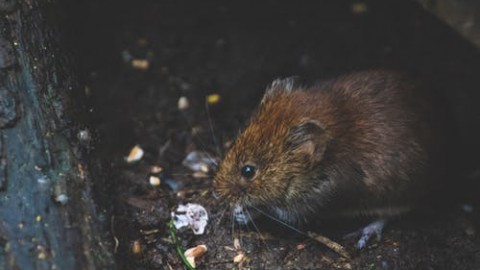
374, 228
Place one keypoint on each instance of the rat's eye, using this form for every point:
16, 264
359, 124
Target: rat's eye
248, 171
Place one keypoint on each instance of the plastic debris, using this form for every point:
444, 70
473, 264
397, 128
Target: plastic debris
135, 154
199, 161
192, 215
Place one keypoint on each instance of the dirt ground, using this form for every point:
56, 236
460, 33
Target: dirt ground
234, 49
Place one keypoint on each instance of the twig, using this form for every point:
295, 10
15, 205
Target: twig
330, 244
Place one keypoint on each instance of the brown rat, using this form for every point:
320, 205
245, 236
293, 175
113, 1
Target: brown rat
367, 143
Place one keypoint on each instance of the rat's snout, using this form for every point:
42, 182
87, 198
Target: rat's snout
239, 187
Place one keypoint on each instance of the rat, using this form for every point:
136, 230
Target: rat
368, 144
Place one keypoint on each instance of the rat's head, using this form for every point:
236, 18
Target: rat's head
273, 159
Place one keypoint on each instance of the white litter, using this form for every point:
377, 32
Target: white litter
192, 215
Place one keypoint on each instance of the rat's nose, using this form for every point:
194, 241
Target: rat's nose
239, 188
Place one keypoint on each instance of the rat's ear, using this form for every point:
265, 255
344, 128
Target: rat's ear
278, 86
308, 138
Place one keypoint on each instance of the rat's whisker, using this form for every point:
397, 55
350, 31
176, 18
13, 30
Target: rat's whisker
257, 230
217, 224
233, 225
279, 221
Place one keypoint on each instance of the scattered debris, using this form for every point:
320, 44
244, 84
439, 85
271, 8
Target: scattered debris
154, 180
149, 232
140, 64
135, 154
236, 244
240, 257
301, 246
156, 169
137, 247
62, 199
213, 99
84, 135
174, 185
194, 253
183, 103
192, 215
200, 175
330, 244
199, 161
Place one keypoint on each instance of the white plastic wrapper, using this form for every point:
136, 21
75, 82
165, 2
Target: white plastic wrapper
192, 215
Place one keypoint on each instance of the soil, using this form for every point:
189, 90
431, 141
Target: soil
234, 49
